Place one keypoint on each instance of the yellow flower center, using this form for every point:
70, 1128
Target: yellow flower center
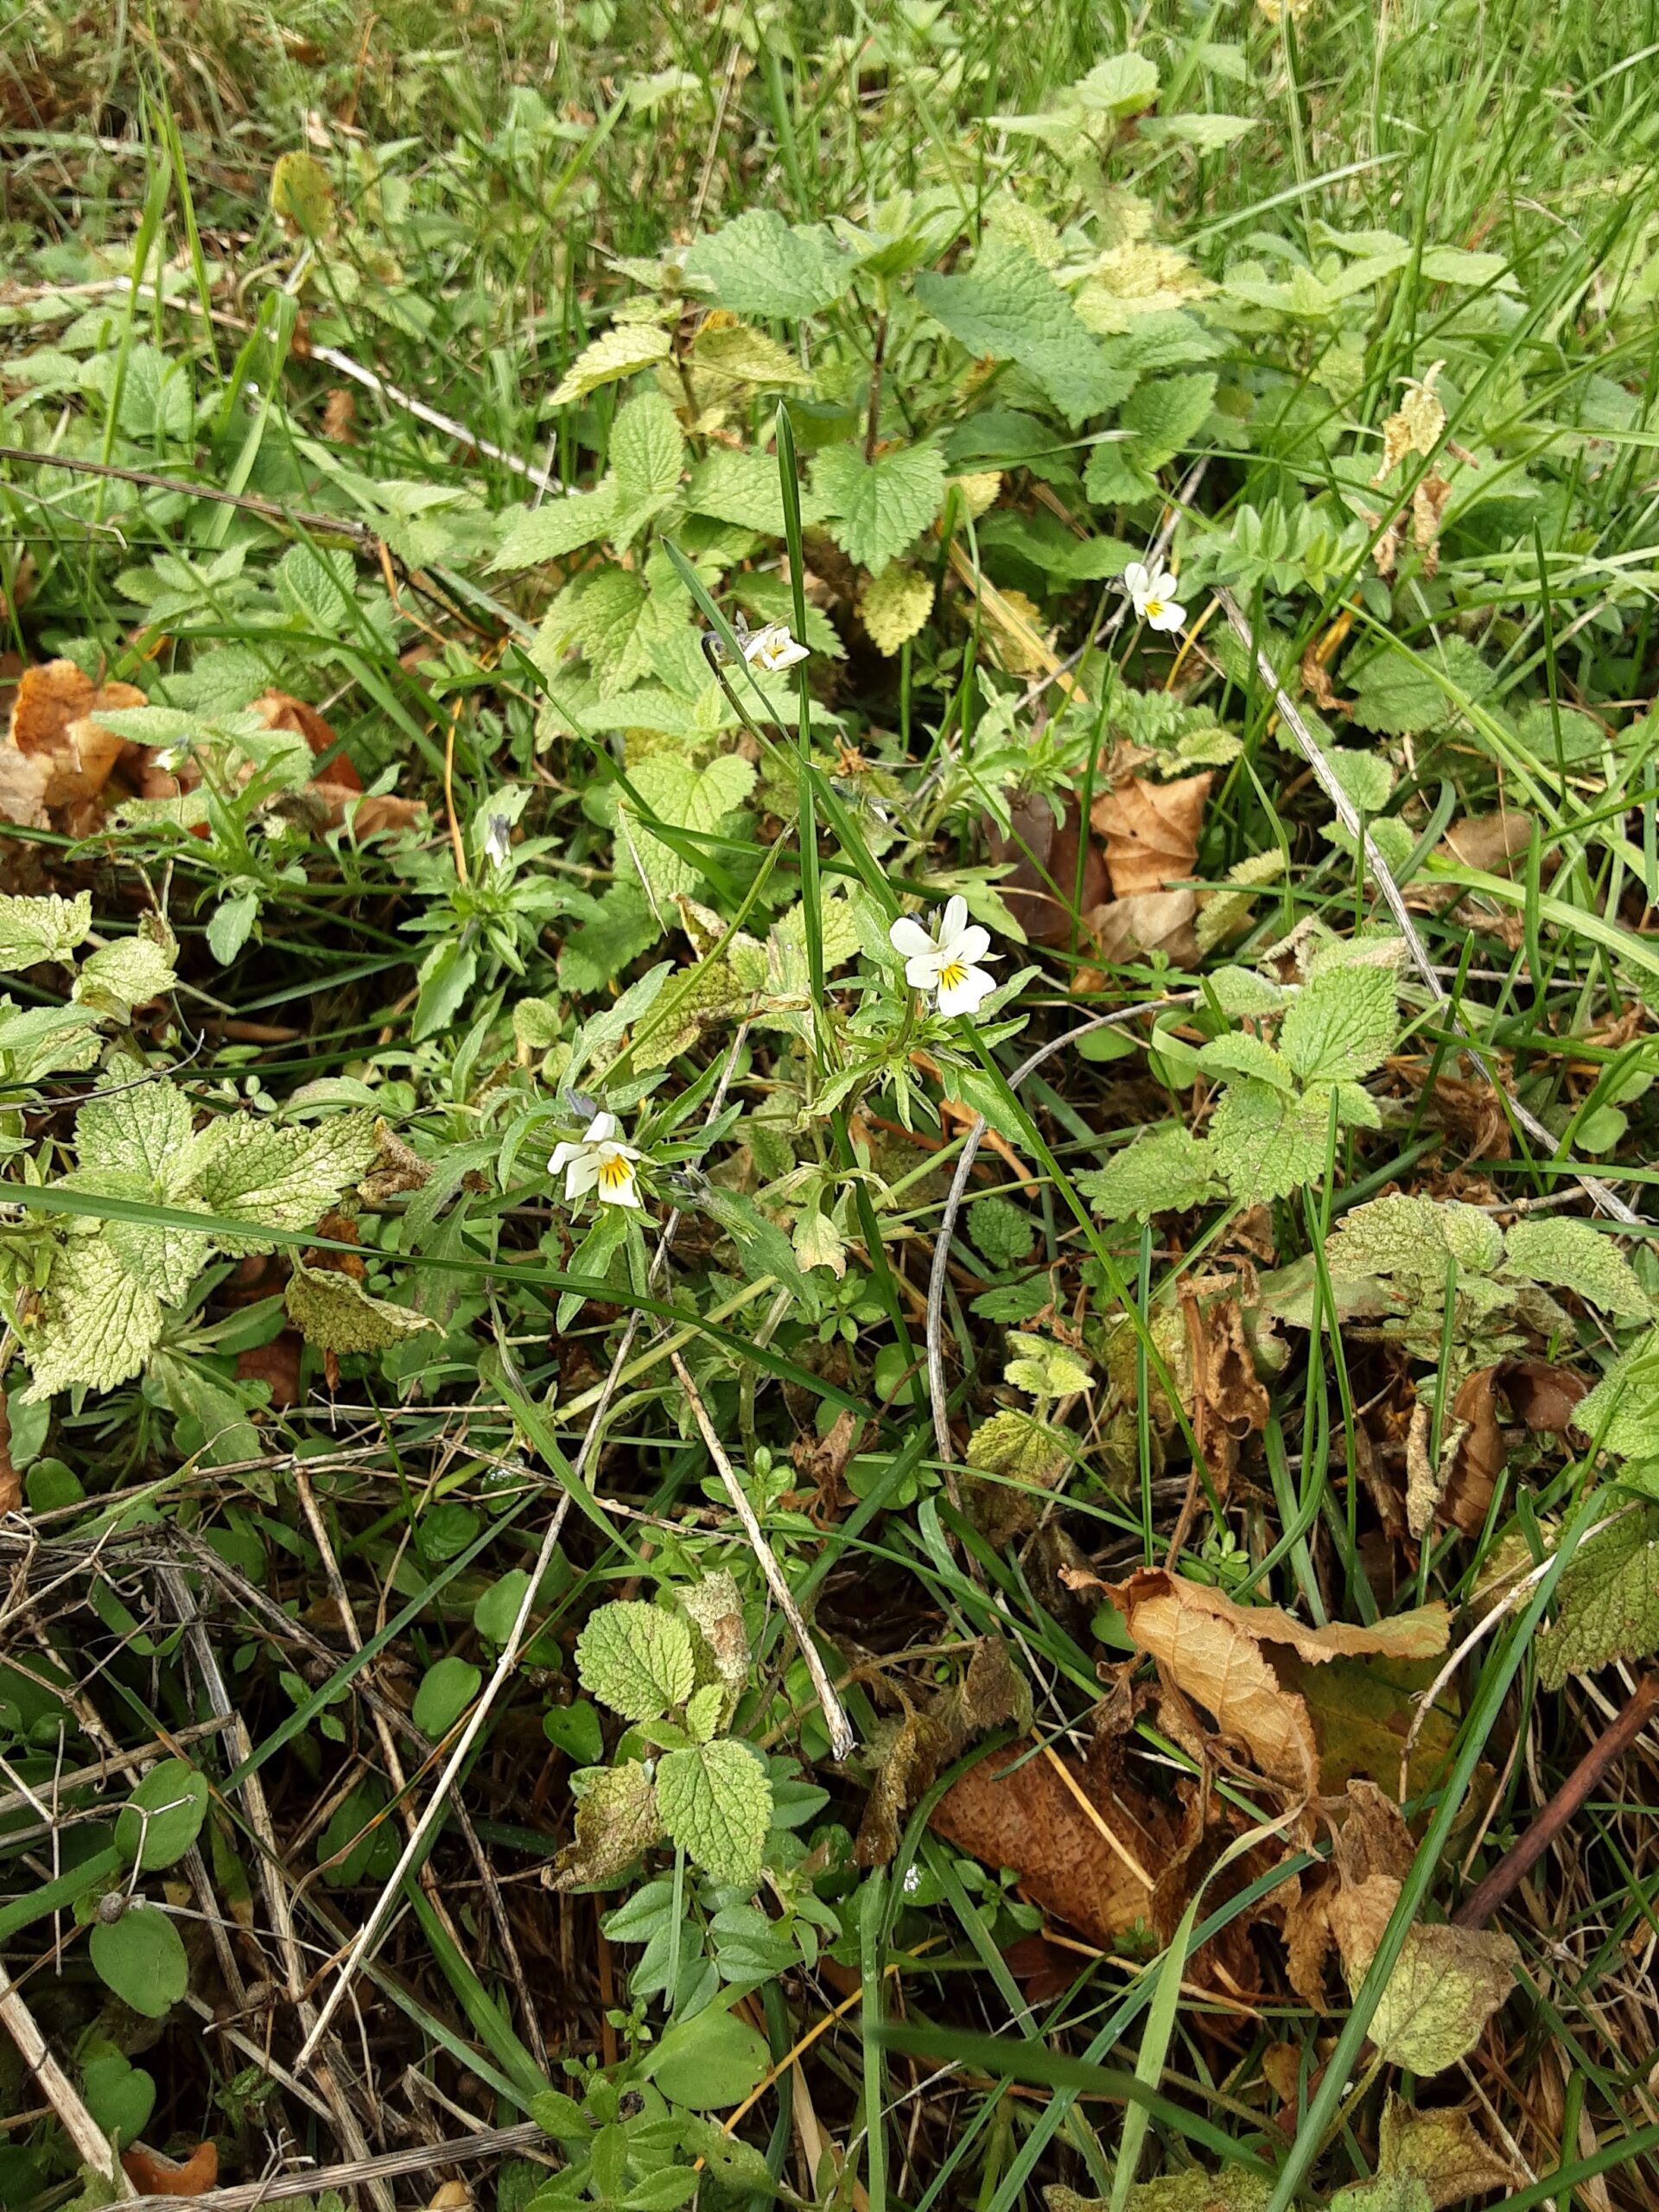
615, 1174
952, 975
1154, 610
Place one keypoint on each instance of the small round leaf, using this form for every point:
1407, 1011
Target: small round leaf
141, 1957
446, 1689
164, 1816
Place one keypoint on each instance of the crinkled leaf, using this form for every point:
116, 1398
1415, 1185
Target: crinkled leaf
715, 1607
1267, 1145
560, 526
1340, 1026
759, 264
95, 1326
637, 1659
1169, 1172
1009, 307
277, 1177
1397, 692
703, 800
128, 973
616, 1820
876, 507
1446, 1984
1163, 416
142, 1128
1238, 1054
1606, 1602
1442, 2150
33, 930
1622, 1412
715, 1801
332, 1311
1573, 1256
738, 354
1233, 2190
620, 352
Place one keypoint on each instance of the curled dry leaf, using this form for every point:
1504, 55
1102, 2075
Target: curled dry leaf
1012, 1810
154, 2176
1148, 921
989, 1695
57, 755
1479, 1456
1213, 1652
1041, 886
1150, 831
1441, 2150
1542, 1397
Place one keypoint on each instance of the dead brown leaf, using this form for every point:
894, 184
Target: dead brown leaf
276, 1364
1148, 921
1428, 500
1542, 1396
154, 2176
1041, 886
11, 1482
1441, 2150
989, 1693
1212, 1651
1487, 842
1478, 1457
339, 413
823, 1460
1014, 1809
1316, 682
54, 729
1150, 831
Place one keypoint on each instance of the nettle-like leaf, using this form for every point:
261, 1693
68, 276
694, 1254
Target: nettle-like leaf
1446, 1984
706, 801
332, 1311
716, 1802
1008, 308
620, 351
1413, 1238
1606, 1602
647, 454
1169, 1172
1622, 1412
1043, 1368
617, 1818
128, 973
735, 353
759, 264
33, 930
876, 507
1267, 1144
1573, 1256
561, 527
96, 1325
1341, 1024
637, 1659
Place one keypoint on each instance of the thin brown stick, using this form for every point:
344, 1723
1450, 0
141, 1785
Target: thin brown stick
1612, 1743
269, 510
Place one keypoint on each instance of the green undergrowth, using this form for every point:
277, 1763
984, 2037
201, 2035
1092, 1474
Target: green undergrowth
694, 1065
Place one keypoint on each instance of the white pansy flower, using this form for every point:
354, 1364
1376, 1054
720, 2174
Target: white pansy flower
945, 964
1154, 596
497, 840
772, 648
598, 1161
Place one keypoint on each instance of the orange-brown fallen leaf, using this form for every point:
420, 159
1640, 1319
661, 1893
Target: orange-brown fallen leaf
154, 2176
1014, 1809
57, 754
1150, 831
1213, 1651
1478, 1457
